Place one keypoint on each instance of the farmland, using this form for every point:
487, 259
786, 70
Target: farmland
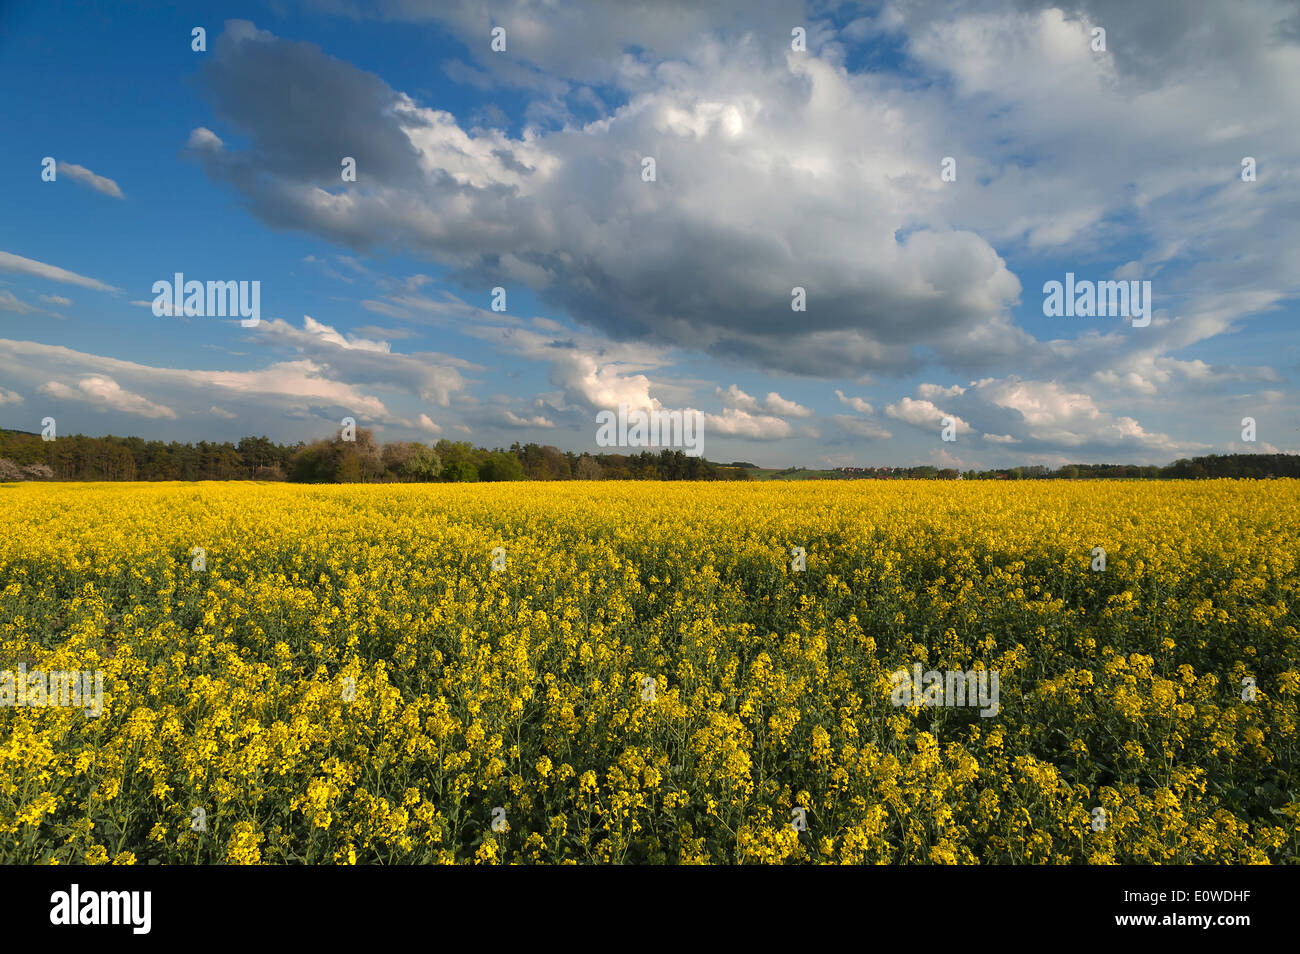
616, 672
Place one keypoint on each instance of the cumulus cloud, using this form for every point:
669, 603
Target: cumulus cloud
779, 405
1052, 415
512, 419
773, 404
778, 170
922, 414
734, 422
1044, 417
554, 46
857, 403
591, 372
932, 391
761, 147
734, 397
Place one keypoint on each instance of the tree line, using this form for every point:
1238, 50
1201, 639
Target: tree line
1213, 465
25, 456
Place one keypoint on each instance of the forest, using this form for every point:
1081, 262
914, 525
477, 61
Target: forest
25, 456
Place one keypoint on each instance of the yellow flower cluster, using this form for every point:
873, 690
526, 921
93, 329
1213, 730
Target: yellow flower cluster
354, 674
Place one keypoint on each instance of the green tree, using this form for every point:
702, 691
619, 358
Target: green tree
403, 460
460, 472
501, 465
423, 464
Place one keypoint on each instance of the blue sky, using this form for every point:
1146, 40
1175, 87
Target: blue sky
776, 168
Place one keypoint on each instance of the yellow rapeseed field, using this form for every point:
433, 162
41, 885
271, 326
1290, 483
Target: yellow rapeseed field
646, 672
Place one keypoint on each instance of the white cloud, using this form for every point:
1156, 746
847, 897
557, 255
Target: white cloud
773, 404
83, 175
778, 170
764, 139
330, 335
363, 361
922, 414
104, 392
779, 405
734, 397
514, 420
28, 266
734, 422
204, 139
288, 387
932, 391
10, 302
1048, 417
857, 403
